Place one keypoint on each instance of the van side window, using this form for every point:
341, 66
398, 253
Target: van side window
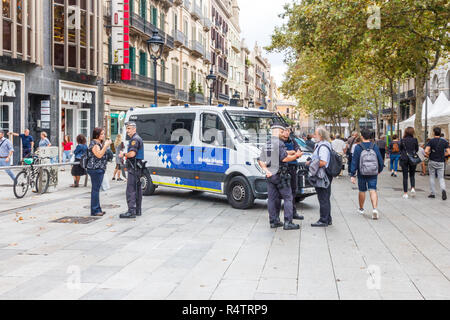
213, 130
148, 127
177, 128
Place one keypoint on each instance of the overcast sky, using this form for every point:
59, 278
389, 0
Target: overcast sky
258, 19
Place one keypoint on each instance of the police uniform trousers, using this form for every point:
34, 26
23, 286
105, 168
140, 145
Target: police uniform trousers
134, 191
294, 185
275, 194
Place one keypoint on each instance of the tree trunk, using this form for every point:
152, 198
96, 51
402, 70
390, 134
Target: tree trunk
420, 98
357, 128
391, 88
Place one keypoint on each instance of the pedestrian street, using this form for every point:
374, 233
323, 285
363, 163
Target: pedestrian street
196, 246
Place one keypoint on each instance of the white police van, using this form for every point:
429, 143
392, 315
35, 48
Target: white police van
207, 148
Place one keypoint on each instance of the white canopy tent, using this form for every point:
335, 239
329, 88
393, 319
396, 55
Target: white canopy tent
410, 121
441, 111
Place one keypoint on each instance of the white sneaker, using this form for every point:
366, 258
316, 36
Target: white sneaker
405, 196
375, 214
361, 211
413, 192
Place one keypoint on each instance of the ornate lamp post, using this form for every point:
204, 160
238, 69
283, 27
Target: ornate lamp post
155, 47
211, 79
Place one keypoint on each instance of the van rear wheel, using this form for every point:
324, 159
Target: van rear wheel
148, 188
239, 193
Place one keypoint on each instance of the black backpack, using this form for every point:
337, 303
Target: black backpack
335, 165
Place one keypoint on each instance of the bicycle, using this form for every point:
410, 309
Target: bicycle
30, 176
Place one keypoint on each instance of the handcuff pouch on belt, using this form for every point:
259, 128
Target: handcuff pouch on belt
285, 177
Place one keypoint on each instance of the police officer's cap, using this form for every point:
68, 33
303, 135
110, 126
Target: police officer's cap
130, 124
278, 125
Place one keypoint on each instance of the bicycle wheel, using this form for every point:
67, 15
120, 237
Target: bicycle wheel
45, 181
21, 184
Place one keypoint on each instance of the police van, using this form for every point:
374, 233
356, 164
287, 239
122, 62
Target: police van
208, 149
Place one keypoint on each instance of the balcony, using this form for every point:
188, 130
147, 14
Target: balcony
223, 71
207, 24
411, 93
236, 46
147, 83
138, 23
197, 48
224, 98
178, 2
179, 38
208, 57
181, 95
167, 3
197, 98
196, 11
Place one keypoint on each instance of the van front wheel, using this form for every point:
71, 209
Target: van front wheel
239, 193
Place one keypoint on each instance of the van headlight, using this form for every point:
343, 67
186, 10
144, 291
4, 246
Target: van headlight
258, 166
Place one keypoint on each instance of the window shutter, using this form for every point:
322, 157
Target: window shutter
133, 59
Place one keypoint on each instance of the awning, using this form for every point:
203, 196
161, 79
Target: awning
441, 111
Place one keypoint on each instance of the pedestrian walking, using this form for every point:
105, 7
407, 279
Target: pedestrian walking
409, 159
96, 167
67, 150
394, 155
421, 154
274, 159
77, 170
338, 145
6, 152
27, 143
119, 146
436, 151
367, 163
381, 144
349, 147
44, 142
135, 165
320, 161
292, 147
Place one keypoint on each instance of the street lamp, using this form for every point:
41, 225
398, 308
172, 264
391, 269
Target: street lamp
155, 47
251, 103
210, 79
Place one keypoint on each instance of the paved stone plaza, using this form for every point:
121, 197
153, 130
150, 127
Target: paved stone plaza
195, 246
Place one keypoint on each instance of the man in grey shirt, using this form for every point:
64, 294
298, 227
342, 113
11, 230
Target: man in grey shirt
6, 151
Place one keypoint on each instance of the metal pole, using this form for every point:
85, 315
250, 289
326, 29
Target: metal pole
210, 95
399, 111
155, 81
426, 109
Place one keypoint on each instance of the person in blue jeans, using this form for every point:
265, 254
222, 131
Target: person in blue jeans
366, 182
394, 155
6, 152
96, 167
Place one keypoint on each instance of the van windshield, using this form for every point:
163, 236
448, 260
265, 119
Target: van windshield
254, 126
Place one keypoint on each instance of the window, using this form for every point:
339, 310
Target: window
211, 126
185, 79
143, 63
154, 20
143, 9
175, 78
162, 22
83, 122
148, 127
133, 59
178, 128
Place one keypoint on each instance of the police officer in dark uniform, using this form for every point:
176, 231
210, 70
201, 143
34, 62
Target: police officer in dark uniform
292, 147
134, 163
274, 161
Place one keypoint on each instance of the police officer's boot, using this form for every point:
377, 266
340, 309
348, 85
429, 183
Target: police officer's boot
276, 224
298, 216
127, 215
138, 213
288, 225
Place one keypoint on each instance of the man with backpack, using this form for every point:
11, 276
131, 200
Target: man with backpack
368, 162
348, 149
436, 151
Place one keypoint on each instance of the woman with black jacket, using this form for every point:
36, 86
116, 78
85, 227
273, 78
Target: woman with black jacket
408, 145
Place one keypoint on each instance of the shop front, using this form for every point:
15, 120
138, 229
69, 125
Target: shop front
78, 109
12, 91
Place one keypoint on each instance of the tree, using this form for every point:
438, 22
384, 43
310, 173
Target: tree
409, 40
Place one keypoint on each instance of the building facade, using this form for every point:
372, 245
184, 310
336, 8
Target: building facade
51, 59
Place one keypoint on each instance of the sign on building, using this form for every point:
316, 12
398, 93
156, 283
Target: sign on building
120, 14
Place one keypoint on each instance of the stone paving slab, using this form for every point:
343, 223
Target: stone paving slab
195, 246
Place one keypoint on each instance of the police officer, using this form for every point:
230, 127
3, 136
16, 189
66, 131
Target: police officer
292, 147
274, 161
134, 157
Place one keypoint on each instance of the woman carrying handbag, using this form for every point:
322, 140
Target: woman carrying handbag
409, 146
